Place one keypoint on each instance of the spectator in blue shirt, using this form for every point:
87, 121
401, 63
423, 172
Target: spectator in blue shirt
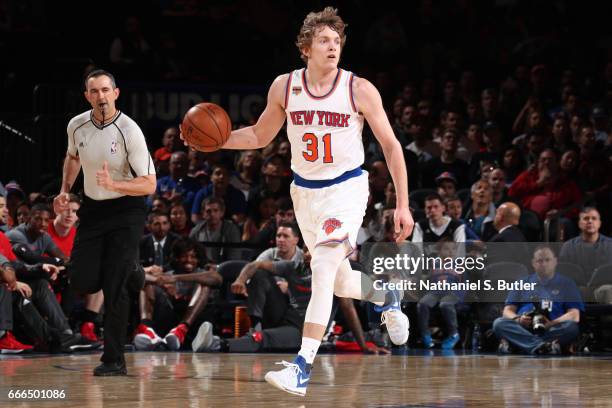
555, 293
220, 187
590, 249
177, 183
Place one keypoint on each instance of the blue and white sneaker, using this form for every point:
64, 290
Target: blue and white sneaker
427, 342
293, 378
396, 321
450, 342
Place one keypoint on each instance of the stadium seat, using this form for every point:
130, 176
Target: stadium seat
573, 271
601, 276
530, 225
506, 271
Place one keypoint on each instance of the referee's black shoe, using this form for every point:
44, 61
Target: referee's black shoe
110, 369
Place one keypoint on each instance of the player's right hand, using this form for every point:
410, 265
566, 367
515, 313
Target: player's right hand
182, 138
61, 203
403, 223
239, 288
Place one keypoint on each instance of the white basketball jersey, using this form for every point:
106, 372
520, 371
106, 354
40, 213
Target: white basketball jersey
324, 131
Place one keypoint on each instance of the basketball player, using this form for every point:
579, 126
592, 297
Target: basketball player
118, 173
325, 107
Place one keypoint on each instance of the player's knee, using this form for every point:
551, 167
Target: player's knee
341, 291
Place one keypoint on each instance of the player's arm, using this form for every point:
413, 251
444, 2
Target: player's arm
369, 103
269, 123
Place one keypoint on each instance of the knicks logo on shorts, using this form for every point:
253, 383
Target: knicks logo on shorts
330, 225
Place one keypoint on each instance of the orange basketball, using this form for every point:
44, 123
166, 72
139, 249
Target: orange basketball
206, 127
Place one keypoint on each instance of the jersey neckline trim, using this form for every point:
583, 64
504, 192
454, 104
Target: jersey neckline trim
93, 120
331, 91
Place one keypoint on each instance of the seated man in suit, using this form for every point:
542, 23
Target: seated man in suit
545, 319
506, 220
155, 247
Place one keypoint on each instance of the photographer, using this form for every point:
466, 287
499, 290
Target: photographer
543, 320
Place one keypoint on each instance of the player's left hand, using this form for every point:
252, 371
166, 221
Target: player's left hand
103, 178
403, 223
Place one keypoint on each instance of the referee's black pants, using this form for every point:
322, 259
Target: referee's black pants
103, 256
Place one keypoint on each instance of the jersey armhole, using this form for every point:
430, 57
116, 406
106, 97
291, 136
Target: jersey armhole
351, 97
287, 86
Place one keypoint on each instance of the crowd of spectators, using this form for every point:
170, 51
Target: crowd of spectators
476, 174
507, 148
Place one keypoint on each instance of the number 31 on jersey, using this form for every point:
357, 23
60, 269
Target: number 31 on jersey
312, 147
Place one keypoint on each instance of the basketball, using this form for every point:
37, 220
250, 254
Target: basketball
206, 127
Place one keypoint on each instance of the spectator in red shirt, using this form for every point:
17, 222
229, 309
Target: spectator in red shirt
62, 229
170, 144
544, 190
5, 248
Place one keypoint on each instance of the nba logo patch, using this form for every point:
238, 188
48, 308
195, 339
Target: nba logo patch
113, 147
296, 90
330, 225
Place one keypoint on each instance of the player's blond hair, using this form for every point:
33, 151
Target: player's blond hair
314, 21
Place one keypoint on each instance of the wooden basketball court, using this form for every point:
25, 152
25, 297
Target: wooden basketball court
231, 380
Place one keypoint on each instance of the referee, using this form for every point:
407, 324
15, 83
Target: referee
118, 172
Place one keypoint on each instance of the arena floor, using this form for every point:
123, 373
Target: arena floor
417, 379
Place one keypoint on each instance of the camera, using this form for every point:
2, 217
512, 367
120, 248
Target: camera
540, 314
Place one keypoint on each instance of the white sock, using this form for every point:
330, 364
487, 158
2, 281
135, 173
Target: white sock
309, 349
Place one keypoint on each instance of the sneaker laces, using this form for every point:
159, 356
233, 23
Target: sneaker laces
384, 316
293, 367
